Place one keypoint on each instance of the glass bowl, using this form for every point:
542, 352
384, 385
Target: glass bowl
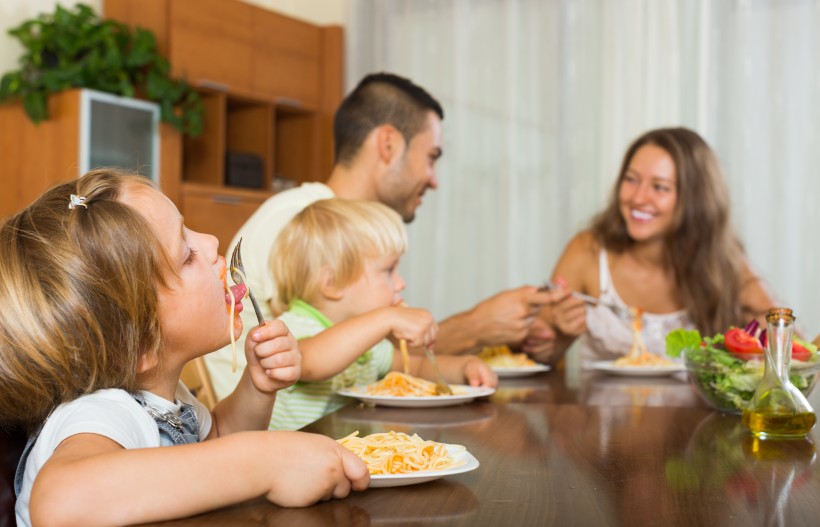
728, 383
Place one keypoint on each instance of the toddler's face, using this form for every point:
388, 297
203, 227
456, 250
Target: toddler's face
379, 286
194, 310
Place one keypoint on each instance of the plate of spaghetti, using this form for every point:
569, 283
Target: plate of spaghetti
638, 361
647, 370
402, 390
395, 458
505, 363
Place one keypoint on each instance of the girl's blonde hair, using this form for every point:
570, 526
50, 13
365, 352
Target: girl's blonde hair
336, 234
78, 289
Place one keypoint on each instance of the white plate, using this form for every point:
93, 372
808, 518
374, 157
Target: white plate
398, 480
464, 394
519, 371
608, 366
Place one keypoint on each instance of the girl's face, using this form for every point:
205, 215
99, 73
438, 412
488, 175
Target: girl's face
378, 286
648, 193
195, 308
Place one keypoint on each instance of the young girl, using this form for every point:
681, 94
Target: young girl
107, 295
340, 286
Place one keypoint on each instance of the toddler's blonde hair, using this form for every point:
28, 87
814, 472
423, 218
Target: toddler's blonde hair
337, 234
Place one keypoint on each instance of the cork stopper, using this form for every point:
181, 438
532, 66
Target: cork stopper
777, 313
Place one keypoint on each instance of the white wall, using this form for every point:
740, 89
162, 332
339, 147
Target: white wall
14, 12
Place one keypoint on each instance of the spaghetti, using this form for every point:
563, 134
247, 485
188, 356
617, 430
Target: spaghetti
400, 384
503, 357
638, 354
399, 453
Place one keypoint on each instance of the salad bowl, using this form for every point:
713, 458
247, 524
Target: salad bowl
727, 380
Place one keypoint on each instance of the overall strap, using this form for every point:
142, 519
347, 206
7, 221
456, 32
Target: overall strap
21, 465
180, 430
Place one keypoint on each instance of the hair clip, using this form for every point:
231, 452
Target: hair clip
76, 201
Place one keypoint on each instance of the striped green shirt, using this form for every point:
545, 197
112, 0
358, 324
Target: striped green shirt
305, 402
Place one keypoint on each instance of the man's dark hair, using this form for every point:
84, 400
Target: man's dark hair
380, 98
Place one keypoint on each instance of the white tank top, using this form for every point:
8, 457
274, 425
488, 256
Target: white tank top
609, 336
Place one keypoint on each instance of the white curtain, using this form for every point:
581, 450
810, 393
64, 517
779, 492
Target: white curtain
542, 97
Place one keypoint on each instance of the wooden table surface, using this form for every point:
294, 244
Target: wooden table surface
563, 448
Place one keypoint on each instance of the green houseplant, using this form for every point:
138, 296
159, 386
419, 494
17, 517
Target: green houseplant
75, 48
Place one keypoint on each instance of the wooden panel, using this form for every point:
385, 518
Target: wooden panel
204, 156
250, 130
210, 42
170, 162
36, 157
148, 14
297, 145
286, 60
332, 86
219, 211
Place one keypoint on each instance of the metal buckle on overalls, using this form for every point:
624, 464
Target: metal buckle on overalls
169, 418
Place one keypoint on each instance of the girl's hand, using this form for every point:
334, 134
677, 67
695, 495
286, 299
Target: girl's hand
416, 326
274, 361
329, 471
477, 373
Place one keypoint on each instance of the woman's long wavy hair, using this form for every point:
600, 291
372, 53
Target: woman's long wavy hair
702, 248
78, 296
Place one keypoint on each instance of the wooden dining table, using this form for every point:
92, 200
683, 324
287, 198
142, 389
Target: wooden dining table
572, 447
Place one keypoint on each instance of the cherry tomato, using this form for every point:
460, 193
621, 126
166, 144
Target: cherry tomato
740, 342
799, 351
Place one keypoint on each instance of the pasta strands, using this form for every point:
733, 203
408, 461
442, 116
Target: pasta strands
399, 453
400, 384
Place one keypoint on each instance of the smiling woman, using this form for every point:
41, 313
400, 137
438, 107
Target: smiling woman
664, 244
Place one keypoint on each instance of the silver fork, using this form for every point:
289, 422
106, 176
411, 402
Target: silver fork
238, 275
442, 388
620, 311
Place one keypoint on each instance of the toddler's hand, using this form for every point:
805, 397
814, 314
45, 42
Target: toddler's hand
416, 326
274, 361
477, 373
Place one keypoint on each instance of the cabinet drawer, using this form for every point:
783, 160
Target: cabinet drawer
220, 212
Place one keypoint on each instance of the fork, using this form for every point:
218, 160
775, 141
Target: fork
239, 277
442, 388
620, 311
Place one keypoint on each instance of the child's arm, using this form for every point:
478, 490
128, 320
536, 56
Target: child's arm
292, 469
273, 363
334, 349
454, 369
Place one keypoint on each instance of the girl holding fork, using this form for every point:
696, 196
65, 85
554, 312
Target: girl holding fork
106, 296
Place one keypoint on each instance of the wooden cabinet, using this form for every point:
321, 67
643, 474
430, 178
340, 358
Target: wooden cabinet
36, 157
270, 85
219, 211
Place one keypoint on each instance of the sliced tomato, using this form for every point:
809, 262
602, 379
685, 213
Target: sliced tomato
740, 342
799, 351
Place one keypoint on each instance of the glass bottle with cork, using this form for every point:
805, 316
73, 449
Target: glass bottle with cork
778, 409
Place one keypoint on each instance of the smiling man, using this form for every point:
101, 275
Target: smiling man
387, 137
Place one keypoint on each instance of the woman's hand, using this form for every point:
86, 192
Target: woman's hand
274, 361
568, 314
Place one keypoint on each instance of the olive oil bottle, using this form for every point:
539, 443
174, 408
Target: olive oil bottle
778, 409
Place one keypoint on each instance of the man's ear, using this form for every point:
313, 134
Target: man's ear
389, 143
327, 285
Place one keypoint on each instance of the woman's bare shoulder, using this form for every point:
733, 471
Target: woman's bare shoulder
583, 246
